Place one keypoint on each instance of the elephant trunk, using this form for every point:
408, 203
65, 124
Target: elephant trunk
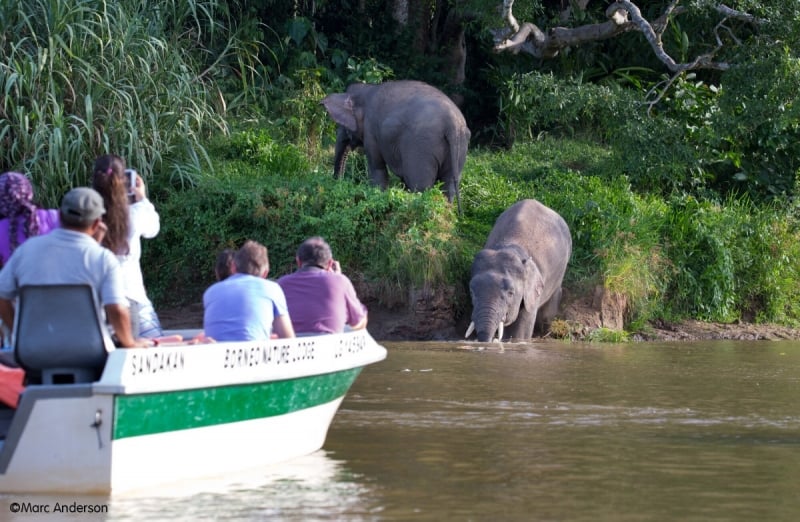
342, 150
485, 329
340, 160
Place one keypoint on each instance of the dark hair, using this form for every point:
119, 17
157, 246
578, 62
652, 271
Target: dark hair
252, 259
224, 265
314, 251
108, 178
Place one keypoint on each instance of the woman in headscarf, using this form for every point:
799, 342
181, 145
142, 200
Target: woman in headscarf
20, 218
127, 223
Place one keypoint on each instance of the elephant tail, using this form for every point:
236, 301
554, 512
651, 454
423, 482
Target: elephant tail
458, 139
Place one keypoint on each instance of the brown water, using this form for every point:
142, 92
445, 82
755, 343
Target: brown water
541, 431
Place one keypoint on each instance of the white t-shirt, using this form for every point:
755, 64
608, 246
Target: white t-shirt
143, 223
64, 257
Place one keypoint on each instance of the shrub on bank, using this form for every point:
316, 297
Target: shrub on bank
671, 258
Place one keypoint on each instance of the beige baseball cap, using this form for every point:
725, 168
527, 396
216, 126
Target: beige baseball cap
81, 206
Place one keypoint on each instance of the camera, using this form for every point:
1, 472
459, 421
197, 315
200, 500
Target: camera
130, 176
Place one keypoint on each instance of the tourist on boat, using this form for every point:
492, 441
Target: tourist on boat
130, 217
20, 218
70, 254
319, 296
225, 264
246, 306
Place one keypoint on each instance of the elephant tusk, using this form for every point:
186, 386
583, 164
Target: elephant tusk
500, 331
470, 329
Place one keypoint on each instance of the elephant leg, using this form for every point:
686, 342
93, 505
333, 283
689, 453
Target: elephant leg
522, 328
377, 173
548, 311
380, 178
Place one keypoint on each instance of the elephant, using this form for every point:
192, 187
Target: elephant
516, 279
410, 126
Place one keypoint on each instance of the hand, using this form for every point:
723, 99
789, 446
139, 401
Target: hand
99, 232
201, 338
336, 268
140, 190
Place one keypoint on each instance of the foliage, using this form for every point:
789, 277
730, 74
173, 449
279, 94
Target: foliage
757, 126
532, 103
79, 79
607, 335
765, 254
257, 147
671, 258
698, 238
296, 108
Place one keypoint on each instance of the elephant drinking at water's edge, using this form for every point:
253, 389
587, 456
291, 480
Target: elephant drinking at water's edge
410, 126
516, 278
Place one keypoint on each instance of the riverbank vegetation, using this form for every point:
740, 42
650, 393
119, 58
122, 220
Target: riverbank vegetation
680, 190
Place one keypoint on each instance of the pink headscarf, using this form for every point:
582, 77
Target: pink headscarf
16, 203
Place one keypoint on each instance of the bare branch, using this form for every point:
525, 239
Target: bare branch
660, 24
623, 16
727, 12
508, 16
529, 38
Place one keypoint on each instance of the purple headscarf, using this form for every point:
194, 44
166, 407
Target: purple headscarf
16, 204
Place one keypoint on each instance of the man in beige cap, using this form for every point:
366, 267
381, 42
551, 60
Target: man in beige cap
72, 255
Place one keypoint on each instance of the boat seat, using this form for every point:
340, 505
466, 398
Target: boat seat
60, 336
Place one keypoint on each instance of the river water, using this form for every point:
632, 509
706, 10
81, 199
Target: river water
542, 431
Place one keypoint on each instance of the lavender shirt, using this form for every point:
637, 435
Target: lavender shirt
48, 220
321, 301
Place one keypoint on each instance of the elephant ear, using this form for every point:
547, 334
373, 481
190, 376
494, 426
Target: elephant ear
340, 107
534, 286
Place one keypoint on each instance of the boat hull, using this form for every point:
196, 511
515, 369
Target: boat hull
163, 415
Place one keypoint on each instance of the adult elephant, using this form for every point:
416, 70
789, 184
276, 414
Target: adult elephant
516, 278
410, 126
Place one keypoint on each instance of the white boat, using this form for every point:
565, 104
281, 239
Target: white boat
167, 413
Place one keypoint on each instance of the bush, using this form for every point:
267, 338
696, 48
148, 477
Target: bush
671, 258
533, 103
757, 128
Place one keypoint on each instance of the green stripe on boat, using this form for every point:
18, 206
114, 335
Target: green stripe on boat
151, 413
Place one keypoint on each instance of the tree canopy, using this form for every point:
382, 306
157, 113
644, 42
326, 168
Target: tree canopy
698, 94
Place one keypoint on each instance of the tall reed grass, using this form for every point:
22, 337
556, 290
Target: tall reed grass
79, 78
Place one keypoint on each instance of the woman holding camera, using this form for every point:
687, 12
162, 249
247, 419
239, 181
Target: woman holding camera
129, 217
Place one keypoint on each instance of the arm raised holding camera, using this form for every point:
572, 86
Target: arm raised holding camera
143, 214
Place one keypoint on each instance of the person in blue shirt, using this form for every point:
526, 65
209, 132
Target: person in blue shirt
246, 306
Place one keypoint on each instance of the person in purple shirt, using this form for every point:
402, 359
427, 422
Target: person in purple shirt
20, 218
319, 296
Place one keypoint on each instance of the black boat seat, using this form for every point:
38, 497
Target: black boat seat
60, 336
